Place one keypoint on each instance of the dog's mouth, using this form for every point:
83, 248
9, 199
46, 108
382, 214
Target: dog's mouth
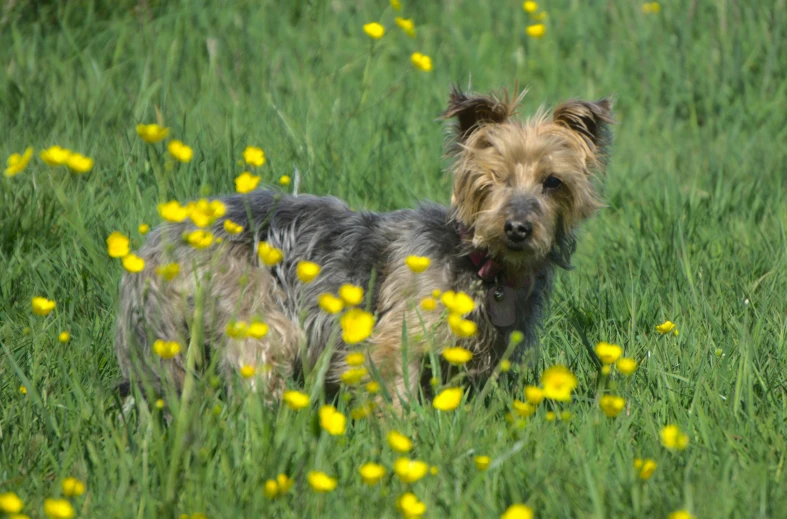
517, 246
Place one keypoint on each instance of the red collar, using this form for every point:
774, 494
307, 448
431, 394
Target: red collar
489, 270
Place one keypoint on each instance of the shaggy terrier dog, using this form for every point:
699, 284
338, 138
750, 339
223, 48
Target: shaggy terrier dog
520, 189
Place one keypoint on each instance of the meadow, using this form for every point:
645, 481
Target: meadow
694, 232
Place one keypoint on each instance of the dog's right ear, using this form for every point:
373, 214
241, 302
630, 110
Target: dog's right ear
473, 111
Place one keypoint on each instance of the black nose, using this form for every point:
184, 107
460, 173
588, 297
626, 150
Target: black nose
517, 231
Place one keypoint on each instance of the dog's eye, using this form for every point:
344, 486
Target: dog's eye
552, 183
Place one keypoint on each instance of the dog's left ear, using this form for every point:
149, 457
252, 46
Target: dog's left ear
590, 120
473, 111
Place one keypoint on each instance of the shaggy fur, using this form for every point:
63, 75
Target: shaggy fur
519, 191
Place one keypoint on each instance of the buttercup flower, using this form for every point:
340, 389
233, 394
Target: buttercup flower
10, 503
58, 509
612, 405
320, 481
173, 212
374, 30
232, 227
645, 468
461, 327
295, 400
407, 25
332, 421
536, 31
355, 359
357, 325
152, 133
73, 487
410, 471
448, 399
23, 390
17, 163
505, 366
353, 376
237, 329
421, 61
203, 212
372, 387
524, 409
539, 17
64, 337
168, 271
606, 369
351, 295
457, 355
166, 349
482, 462
254, 156
626, 366
362, 411
458, 302
247, 371
117, 245
269, 255
673, 438
307, 271
558, 383
143, 229
180, 151
410, 506
651, 8
257, 330
159, 404
42, 306
330, 303
284, 180
534, 395
55, 156
530, 7
396, 4
200, 239
133, 263
399, 442
278, 487
428, 304
666, 327
680, 514
518, 511
608, 353
371, 473
246, 182
79, 163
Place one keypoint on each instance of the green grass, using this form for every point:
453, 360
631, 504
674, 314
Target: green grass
694, 232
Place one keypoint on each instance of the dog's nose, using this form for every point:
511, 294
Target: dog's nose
517, 231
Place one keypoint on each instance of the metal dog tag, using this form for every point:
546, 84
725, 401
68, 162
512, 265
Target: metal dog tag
502, 305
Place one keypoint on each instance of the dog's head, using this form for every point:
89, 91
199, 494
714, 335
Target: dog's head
522, 187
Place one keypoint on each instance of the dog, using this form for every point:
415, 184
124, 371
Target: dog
520, 189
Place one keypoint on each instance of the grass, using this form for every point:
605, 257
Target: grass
694, 232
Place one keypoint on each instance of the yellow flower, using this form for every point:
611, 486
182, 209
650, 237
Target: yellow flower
23, 390
73, 487
530, 7
407, 25
399, 442
320, 481
410, 471
247, 371
55, 156
539, 17
558, 383
534, 395
421, 61
79, 163
232, 227
307, 271
180, 151
279, 486
374, 30
269, 255
372, 387
203, 213
505, 366
64, 337
518, 511
200, 239
17, 163
173, 212
152, 133
10, 503
536, 31
355, 359
410, 506
626, 366
58, 509
246, 182
357, 325
396, 4
353, 376
143, 229
42, 306
461, 327
168, 271
332, 421
673, 438
237, 329
159, 404
651, 8
608, 353
448, 399
680, 514
362, 411
645, 468
524, 409
458, 302
257, 330
606, 369
117, 245
295, 400
371, 473
133, 263
665, 327
166, 349
482, 462
457, 355
285, 180
351, 295
428, 304
330, 303
254, 156
612, 405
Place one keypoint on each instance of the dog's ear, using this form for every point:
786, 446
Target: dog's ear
590, 120
473, 111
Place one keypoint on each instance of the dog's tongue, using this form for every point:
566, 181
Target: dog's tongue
489, 270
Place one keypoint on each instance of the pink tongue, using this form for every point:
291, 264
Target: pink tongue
488, 270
